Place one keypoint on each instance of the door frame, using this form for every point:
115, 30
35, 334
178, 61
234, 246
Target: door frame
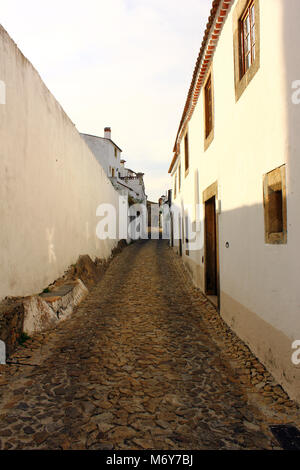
210, 192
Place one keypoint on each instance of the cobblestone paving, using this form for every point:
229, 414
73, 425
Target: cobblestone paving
144, 363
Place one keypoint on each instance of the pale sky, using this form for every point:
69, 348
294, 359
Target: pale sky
126, 64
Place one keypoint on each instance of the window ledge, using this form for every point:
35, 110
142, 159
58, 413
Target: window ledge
243, 83
279, 238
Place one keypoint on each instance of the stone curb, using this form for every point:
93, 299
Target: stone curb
45, 311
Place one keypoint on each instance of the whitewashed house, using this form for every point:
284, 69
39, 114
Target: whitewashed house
235, 176
108, 154
134, 181
106, 151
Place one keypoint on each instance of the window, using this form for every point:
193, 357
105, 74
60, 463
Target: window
275, 207
208, 107
208, 100
246, 41
179, 177
116, 152
275, 211
186, 152
113, 172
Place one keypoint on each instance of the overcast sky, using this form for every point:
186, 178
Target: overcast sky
126, 64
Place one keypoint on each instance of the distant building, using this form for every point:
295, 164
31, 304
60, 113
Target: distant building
153, 217
108, 154
164, 204
134, 181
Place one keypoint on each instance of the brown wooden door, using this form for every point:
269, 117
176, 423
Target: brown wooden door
210, 247
180, 236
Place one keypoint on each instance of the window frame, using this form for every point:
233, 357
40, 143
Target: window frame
243, 77
208, 110
247, 13
275, 181
208, 107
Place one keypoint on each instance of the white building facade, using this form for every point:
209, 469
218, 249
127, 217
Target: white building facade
108, 154
134, 181
235, 176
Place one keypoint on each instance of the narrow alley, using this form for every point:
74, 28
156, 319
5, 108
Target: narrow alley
145, 362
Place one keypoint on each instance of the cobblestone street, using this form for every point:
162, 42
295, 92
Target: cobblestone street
145, 362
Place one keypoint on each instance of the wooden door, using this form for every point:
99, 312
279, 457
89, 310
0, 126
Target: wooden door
211, 284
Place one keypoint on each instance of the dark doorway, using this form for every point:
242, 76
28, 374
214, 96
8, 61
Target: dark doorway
172, 230
180, 235
211, 271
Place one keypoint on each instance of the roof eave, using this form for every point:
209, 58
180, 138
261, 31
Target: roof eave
223, 6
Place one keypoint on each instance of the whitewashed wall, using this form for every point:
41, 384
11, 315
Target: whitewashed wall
104, 151
259, 283
50, 183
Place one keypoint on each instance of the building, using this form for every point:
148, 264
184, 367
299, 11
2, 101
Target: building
235, 174
108, 154
164, 203
134, 181
153, 217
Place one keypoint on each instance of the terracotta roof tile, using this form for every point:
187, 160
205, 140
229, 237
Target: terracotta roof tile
214, 37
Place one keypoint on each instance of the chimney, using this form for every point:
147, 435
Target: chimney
140, 177
107, 133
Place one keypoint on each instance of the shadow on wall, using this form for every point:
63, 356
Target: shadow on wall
244, 257
291, 57
258, 287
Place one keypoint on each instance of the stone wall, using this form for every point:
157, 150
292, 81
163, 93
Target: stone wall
11, 323
13, 318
